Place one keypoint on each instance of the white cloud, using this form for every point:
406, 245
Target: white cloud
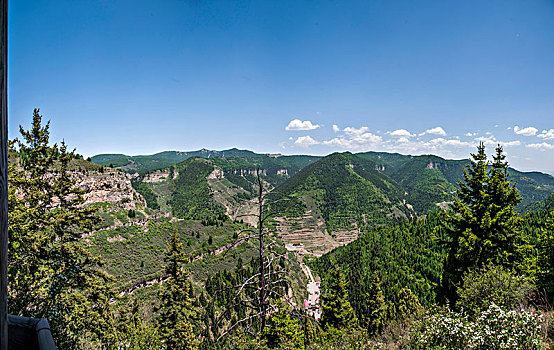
403, 140
542, 146
488, 140
469, 134
511, 143
336, 128
434, 131
355, 142
528, 131
547, 134
305, 141
446, 142
298, 124
352, 130
400, 133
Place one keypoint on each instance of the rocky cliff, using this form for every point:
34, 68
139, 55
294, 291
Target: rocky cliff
112, 187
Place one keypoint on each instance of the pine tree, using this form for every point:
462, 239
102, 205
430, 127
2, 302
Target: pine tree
283, 330
133, 331
483, 226
337, 311
375, 308
545, 275
408, 305
177, 311
51, 274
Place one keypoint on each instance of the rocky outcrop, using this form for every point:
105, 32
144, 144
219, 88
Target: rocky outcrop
156, 177
243, 172
435, 165
216, 174
110, 187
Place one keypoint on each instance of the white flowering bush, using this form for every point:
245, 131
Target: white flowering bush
492, 328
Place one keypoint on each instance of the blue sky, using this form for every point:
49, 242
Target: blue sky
138, 77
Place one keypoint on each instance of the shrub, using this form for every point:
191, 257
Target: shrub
492, 284
490, 329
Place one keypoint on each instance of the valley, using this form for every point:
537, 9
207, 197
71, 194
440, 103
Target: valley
367, 215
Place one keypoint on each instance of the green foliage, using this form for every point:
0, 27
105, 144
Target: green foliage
483, 227
337, 311
545, 275
149, 195
408, 306
284, 331
404, 255
50, 274
492, 285
192, 197
177, 311
375, 311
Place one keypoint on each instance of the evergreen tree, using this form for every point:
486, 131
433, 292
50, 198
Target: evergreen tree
545, 275
134, 333
50, 274
283, 331
337, 311
376, 308
177, 311
408, 305
483, 226
310, 330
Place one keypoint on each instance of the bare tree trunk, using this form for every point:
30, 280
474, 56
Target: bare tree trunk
266, 282
263, 306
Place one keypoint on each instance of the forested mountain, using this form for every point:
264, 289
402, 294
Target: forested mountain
144, 163
430, 179
425, 181
201, 187
545, 204
403, 255
348, 190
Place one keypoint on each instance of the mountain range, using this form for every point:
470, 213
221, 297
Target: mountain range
348, 183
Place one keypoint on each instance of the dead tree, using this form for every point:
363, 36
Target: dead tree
269, 282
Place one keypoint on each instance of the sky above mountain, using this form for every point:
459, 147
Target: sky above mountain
309, 77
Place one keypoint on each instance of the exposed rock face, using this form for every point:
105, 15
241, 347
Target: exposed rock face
110, 187
243, 172
435, 165
155, 177
216, 174
283, 172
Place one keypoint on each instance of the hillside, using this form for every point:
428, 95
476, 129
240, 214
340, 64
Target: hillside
427, 180
348, 191
201, 187
430, 179
144, 163
401, 255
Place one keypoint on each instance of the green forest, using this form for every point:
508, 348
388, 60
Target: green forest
180, 273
